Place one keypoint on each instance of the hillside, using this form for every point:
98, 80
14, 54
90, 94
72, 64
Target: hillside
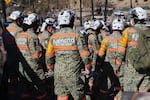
52, 7
43, 6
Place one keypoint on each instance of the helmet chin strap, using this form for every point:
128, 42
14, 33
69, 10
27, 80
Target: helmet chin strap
132, 22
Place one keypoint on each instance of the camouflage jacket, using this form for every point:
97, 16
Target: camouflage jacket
93, 46
110, 48
29, 46
44, 38
129, 39
14, 29
102, 35
65, 50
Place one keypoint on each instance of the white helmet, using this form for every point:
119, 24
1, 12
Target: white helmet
15, 15
33, 17
87, 24
47, 22
118, 24
66, 17
139, 13
95, 24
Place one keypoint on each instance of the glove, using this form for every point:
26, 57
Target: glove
86, 72
49, 74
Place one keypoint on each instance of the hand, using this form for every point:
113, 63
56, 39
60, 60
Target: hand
90, 83
48, 74
86, 72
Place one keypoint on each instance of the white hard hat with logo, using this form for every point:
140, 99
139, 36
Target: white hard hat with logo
33, 17
65, 17
15, 15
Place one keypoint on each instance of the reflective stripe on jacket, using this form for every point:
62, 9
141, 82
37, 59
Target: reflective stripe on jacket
14, 29
110, 47
28, 44
66, 45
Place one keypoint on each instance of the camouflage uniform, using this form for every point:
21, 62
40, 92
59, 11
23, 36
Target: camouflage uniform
14, 29
93, 46
109, 49
102, 35
32, 74
133, 81
44, 37
94, 41
65, 50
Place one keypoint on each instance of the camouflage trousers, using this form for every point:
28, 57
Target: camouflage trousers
134, 81
69, 84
